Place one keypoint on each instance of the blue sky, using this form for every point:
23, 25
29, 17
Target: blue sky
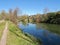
30, 6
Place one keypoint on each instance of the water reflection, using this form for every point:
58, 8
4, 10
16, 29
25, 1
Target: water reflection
41, 26
40, 31
24, 23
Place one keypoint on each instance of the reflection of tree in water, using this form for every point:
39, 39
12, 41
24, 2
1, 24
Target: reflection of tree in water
45, 33
51, 27
44, 27
41, 26
38, 26
25, 23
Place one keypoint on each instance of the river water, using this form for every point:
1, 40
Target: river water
41, 32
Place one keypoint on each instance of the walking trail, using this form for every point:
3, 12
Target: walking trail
4, 35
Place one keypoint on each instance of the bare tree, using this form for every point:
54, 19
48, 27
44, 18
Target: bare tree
3, 13
38, 19
45, 10
10, 15
15, 13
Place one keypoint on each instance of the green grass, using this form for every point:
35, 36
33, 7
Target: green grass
2, 26
16, 37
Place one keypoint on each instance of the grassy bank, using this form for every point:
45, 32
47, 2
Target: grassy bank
16, 37
2, 25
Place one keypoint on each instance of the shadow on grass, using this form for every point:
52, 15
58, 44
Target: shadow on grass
21, 36
33, 39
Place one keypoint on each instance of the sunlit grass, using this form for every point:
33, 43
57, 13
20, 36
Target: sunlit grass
2, 26
16, 37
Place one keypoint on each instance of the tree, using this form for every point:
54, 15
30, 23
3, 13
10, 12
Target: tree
10, 15
3, 14
15, 13
45, 11
38, 19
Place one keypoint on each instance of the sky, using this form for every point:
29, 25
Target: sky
30, 7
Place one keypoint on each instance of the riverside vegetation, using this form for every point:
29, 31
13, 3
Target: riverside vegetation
17, 37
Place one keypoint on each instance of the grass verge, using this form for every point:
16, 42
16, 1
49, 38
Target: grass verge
2, 26
16, 37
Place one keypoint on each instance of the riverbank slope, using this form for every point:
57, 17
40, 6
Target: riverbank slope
16, 37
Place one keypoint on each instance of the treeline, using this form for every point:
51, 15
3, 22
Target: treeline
51, 17
10, 15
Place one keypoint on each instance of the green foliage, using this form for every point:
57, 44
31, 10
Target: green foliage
52, 17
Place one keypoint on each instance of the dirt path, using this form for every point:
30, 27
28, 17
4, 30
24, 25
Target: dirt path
4, 35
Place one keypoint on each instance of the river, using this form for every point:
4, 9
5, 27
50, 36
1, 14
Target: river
49, 34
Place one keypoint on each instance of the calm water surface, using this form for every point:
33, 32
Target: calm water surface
40, 31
